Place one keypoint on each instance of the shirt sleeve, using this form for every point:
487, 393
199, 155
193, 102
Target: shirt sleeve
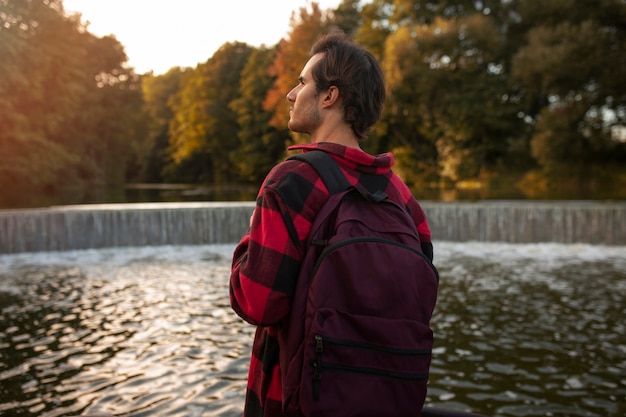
423, 229
265, 265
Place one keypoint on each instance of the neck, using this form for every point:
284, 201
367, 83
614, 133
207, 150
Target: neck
342, 135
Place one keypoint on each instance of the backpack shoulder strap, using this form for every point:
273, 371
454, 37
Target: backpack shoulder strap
333, 177
327, 169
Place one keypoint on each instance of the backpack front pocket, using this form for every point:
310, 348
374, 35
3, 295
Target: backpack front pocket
385, 360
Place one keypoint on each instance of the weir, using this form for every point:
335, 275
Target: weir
151, 224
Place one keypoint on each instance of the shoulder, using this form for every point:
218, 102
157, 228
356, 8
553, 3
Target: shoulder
297, 185
291, 174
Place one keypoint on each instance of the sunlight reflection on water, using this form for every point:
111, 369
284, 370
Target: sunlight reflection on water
521, 330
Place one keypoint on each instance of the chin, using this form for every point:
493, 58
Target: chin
293, 127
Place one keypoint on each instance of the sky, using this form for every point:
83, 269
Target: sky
158, 34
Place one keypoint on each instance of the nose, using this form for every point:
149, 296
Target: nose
291, 96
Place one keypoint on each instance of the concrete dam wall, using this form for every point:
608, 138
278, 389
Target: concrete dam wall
118, 225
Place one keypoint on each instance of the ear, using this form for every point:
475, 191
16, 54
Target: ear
330, 97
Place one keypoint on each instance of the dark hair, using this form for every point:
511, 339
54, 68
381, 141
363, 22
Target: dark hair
356, 73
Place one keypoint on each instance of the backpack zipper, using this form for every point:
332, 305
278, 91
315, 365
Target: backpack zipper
318, 364
344, 242
369, 346
317, 367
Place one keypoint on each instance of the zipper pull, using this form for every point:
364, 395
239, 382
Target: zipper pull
319, 347
317, 367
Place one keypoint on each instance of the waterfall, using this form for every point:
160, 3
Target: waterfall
116, 225
529, 221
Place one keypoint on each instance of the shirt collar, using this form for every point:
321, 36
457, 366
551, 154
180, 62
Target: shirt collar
354, 156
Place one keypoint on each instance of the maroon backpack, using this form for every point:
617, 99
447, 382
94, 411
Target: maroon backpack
358, 340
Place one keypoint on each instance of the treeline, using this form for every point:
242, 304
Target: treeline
534, 92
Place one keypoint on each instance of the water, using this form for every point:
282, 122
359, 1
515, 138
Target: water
143, 331
521, 330
152, 224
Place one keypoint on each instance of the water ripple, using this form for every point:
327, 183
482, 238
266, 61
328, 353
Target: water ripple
521, 330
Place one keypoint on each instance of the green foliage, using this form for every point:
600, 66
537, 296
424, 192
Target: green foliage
151, 156
64, 111
375, 26
571, 73
204, 128
260, 144
346, 17
475, 89
292, 54
447, 93
558, 146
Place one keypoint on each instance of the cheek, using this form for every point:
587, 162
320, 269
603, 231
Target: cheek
304, 98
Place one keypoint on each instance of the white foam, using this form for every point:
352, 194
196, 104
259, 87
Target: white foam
445, 252
115, 257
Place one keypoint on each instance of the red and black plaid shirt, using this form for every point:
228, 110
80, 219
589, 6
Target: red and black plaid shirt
267, 260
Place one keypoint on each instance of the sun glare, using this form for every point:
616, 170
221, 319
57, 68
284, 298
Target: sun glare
160, 35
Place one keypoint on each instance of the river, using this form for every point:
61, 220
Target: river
520, 330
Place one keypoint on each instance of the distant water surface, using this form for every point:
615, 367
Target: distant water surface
521, 330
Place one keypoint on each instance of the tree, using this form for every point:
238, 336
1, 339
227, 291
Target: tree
346, 17
62, 125
152, 152
572, 67
109, 122
203, 132
558, 145
291, 56
28, 116
447, 92
375, 26
260, 144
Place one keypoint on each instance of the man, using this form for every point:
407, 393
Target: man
339, 97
